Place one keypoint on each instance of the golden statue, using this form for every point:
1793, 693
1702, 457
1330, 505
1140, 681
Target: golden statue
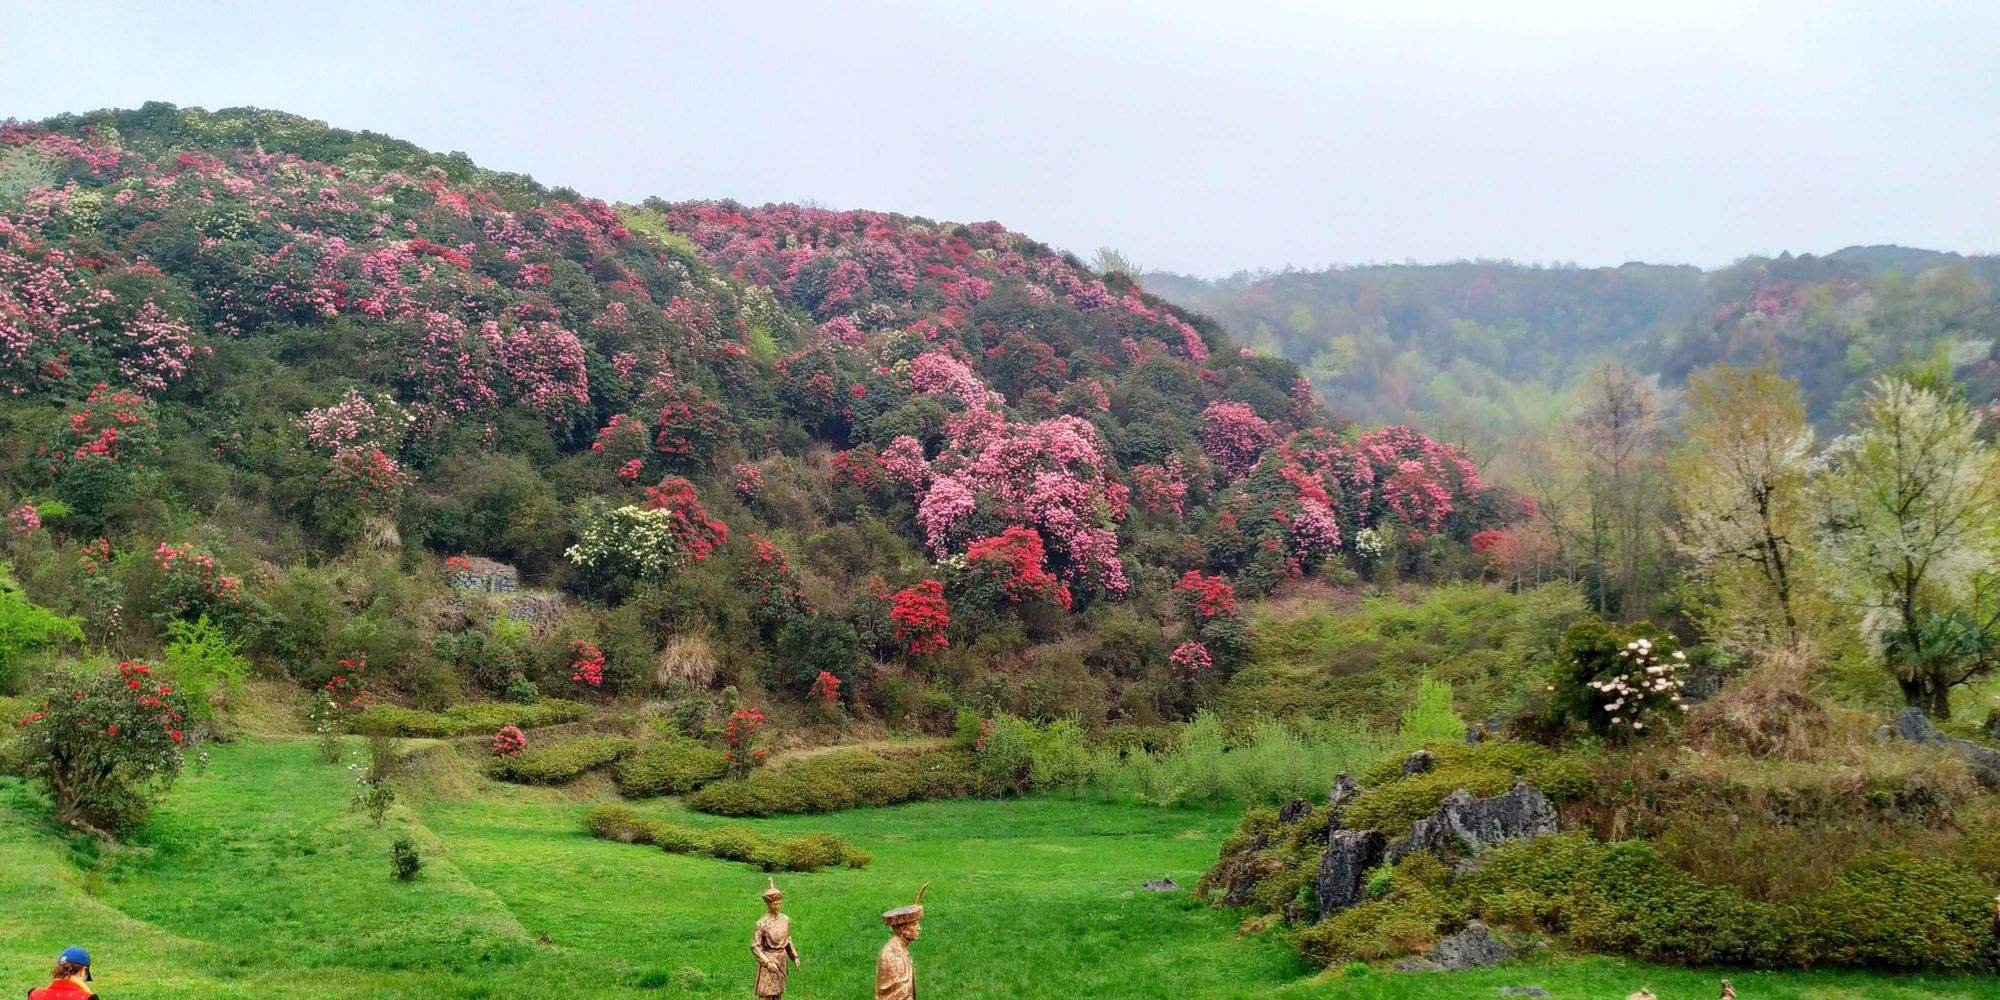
771, 944
895, 974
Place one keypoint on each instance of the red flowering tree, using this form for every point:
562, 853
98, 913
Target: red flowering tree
825, 689
1163, 488
1203, 597
104, 748
347, 691
103, 444
697, 532
625, 443
921, 618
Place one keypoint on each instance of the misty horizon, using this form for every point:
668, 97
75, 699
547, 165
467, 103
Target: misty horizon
1192, 140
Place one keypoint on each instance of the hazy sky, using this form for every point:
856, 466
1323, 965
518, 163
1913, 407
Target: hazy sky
1195, 137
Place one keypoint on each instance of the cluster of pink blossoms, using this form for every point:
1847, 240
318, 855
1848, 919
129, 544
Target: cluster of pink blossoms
1235, 436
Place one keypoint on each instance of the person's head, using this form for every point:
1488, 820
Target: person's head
909, 931
73, 964
773, 896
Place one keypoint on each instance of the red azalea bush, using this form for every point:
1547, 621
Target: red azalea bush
24, 519
921, 617
1202, 597
192, 585
825, 689
509, 741
1190, 659
586, 664
347, 691
1012, 563
104, 747
770, 579
1234, 436
748, 480
739, 739
697, 532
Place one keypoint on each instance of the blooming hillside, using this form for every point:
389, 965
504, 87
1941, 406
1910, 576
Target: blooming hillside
811, 441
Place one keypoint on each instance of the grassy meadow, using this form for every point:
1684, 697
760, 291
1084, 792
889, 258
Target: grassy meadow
258, 878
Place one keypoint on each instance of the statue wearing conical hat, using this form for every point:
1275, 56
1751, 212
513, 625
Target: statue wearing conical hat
771, 944
895, 974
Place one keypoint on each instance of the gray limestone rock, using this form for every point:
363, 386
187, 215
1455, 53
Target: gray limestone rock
1912, 726
1343, 869
1475, 947
1467, 825
1344, 790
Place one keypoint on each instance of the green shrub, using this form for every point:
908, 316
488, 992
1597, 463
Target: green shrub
26, 627
1492, 645
1204, 765
205, 662
404, 861
555, 763
1893, 910
460, 720
1374, 930
670, 766
810, 853
1432, 719
845, 779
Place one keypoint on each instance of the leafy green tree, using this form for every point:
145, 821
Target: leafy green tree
1912, 523
1740, 486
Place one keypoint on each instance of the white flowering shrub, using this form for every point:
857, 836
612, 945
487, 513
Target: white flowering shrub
1650, 683
628, 541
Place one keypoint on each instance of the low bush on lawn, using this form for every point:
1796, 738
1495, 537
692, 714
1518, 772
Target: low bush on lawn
564, 760
810, 853
669, 766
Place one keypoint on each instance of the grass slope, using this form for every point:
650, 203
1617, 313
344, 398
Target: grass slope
257, 879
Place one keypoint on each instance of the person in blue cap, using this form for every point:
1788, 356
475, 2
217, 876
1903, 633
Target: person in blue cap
72, 971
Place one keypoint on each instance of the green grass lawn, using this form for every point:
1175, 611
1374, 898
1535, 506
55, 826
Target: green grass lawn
257, 879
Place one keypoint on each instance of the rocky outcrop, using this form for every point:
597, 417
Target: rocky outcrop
1420, 762
1343, 870
1467, 825
1161, 885
1294, 811
1344, 790
1914, 727
1475, 947
1523, 991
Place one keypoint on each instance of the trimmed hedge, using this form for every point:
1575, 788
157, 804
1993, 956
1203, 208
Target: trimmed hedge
671, 766
810, 853
845, 779
461, 720
555, 763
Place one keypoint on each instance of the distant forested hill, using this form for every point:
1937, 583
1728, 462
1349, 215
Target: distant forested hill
1479, 346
